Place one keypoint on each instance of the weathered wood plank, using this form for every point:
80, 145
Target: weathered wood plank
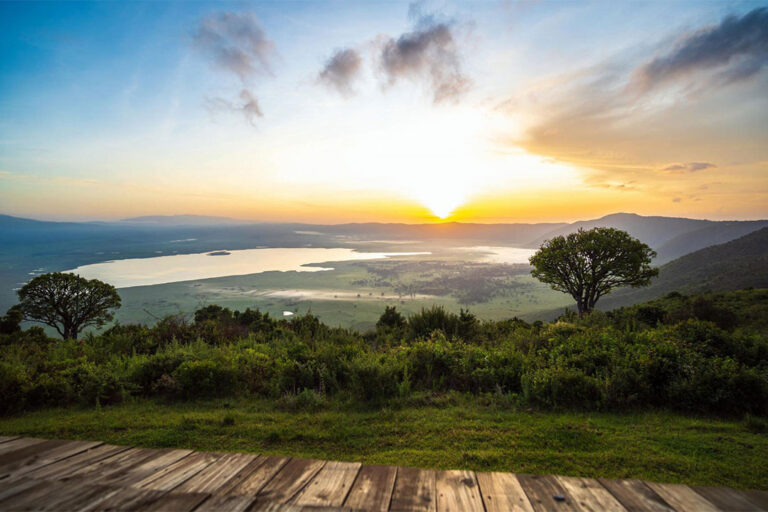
177, 502
11, 488
112, 468
72, 498
330, 485
635, 495
65, 467
590, 495
25, 462
759, 498
415, 489
250, 480
4, 439
127, 498
726, 499
682, 498
155, 462
372, 490
18, 443
502, 492
177, 473
233, 503
34, 497
457, 491
290, 480
542, 491
216, 475
24, 448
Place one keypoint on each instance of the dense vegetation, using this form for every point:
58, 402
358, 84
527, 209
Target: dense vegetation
705, 353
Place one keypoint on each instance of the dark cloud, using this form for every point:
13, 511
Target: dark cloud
428, 53
738, 46
236, 42
689, 167
341, 70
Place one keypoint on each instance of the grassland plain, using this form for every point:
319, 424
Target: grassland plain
344, 296
451, 431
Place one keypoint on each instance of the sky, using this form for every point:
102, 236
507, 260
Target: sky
347, 111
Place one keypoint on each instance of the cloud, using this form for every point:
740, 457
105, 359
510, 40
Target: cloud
248, 106
677, 199
738, 47
236, 42
341, 69
428, 53
689, 167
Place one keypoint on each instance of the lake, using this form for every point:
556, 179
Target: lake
188, 267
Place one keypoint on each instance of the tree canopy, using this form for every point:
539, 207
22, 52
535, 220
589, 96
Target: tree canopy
589, 264
68, 302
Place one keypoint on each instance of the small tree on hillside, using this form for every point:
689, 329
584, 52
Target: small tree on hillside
589, 264
67, 302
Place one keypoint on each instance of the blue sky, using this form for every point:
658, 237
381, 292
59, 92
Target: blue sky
522, 111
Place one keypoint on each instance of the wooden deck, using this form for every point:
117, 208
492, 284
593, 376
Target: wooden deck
38, 474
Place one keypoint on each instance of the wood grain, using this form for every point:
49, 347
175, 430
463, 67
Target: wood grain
372, 490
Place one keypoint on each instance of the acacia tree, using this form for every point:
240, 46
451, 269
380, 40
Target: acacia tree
68, 302
589, 264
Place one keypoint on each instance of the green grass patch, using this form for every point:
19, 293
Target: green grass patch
456, 432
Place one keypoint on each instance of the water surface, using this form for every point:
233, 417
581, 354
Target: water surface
189, 267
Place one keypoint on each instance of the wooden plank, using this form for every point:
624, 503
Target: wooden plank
72, 497
177, 473
457, 491
24, 448
233, 503
372, 490
726, 499
682, 498
65, 467
60, 453
4, 439
635, 495
330, 486
18, 443
125, 499
290, 480
414, 490
108, 470
502, 492
759, 498
155, 462
34, 497
177, 502
216, 475
11, 488
543, 493
590, 495
251, 479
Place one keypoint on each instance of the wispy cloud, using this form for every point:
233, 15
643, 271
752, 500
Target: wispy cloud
737, 48
689, 167
236, 43
340, 71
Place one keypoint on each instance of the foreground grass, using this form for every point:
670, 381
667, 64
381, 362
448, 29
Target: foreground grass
456, 433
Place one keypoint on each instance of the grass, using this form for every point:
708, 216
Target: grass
440, 433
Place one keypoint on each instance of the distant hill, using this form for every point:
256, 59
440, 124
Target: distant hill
671, 237
740, 263
185, 220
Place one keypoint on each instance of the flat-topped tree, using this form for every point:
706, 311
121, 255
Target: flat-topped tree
67, 302
589, 264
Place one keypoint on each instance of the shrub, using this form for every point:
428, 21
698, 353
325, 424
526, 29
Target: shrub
205, 379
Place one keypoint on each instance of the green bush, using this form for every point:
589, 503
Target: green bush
205, 379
